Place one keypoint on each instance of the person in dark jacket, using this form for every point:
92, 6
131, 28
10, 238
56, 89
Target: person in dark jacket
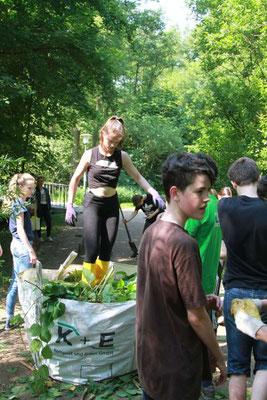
43, 208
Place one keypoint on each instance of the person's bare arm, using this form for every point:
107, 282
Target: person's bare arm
80, 170
1, 250
223, 254
134, 173
200, 322
23, 237
153, 214
262, 334
134, 214
264, 305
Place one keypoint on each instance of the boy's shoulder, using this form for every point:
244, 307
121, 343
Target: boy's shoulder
171, 233
238, 201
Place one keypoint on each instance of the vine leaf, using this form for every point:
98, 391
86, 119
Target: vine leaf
43, 372
45, 334
35, 330
35, 346
47, 352
58, 310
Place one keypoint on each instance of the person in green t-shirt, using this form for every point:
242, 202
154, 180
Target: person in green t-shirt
208, 235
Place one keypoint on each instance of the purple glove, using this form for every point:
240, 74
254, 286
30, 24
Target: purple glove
157, 200
70, 217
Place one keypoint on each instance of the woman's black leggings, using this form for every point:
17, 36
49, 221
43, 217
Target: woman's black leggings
100, 226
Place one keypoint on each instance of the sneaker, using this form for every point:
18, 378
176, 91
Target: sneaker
208, 393
49, 239
9, 326
41, 239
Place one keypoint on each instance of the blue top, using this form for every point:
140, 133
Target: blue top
18, 207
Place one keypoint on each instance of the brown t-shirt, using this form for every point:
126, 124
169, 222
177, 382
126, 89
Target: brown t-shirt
169, 355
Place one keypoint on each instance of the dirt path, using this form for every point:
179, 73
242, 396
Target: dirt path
14, 354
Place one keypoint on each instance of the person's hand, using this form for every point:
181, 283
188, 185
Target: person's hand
70, 215
258, 303
248, 324
157, 200
214, 302
221, 378
124, 221
1, 250
33, 257
149, 217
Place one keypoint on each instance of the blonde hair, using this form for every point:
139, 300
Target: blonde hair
116, 125
14, 190
19, 180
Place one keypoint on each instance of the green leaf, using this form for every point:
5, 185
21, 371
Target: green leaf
12, 370
47, 352
35, 330
89, 276
45, 334
132, 391
43, 372
58, 311
120, 284
46, 319
121, 393
35, 345
126, 378
18, 390
55, 392
17, 320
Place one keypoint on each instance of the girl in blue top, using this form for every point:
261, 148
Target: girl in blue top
22, 236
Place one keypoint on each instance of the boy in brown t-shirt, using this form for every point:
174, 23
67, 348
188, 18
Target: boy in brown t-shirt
171, 316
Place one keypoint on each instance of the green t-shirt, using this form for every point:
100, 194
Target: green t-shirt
208, 235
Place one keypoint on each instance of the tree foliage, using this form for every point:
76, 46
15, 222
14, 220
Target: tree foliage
56, 57
231, 43
66, 66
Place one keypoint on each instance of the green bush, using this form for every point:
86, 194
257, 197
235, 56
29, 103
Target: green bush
125, 194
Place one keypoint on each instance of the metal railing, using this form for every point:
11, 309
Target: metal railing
58, 193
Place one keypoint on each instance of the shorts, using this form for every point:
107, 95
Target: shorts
240, 345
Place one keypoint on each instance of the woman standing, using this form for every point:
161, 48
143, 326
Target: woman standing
101, 205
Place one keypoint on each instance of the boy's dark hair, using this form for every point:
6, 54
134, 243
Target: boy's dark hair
211, 163
136, 199
181, 169
262, 188
244, 171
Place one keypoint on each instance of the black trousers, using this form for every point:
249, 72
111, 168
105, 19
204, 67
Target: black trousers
100, 226
44, 214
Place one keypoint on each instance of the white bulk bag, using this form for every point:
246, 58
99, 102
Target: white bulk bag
95, 340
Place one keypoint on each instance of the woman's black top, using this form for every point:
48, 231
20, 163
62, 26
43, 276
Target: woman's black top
103, 170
